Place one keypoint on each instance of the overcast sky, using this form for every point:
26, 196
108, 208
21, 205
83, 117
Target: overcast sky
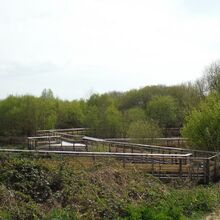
76, 47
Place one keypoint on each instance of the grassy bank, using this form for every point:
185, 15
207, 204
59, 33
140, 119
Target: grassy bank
60, 188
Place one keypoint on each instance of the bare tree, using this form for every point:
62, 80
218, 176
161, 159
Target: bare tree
211, 78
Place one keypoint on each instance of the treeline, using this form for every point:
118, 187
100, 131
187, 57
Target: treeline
113, 114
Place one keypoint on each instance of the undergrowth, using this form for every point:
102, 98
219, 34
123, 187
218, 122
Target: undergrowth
58, 188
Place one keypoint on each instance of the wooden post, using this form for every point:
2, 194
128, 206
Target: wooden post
207, 171
195, 153
152, 165
180, 167
74, 147
159, 168
61, 145
215, 168
28, 144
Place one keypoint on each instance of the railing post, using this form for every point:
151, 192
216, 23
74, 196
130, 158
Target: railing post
152, 164
180, 167
215, 169
28, 144
61, 144
207, 171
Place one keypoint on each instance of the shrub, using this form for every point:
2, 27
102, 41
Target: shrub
163, 110
202, 127
149, 213
142, 130
61, 214
26, 177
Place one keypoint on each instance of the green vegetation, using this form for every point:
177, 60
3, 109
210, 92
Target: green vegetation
65, 188
109, 115
144, 129
163, 109
56, 188
202, 126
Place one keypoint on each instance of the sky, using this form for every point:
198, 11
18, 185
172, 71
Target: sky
80, 47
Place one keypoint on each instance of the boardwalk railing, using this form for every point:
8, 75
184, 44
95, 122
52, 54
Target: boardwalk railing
160, 165
73, 131
161, 161
168, 142
204, 165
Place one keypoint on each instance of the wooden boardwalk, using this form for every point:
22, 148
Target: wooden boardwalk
161, 161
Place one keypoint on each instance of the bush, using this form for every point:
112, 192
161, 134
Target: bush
202, 127
25, 211
61, 214
26, 177
163, 110
142, 130
147, 213
99, 192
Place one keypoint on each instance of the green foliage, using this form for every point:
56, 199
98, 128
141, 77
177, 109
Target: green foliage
25, 177
191, 202
202, 126
17, 115
104, 119
146, 213
16, 205
106, 191
47, 94
163, 109
25, 211
108, 115
61, 214
142, 130
70, 114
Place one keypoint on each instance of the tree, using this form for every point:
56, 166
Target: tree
202, 127
142, 130
135, 114
47, 94
210, 82
112, 121
163, 109
18, 115
131, 115
46, 112
70, 114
